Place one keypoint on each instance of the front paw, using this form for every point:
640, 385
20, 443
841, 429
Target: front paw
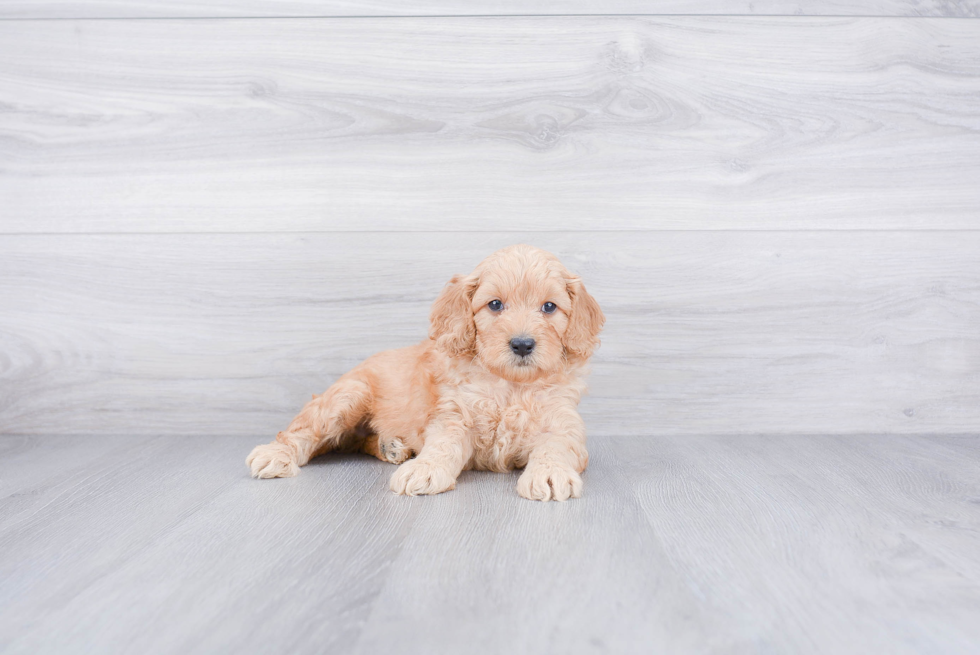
549, 481
274, 460
417, 477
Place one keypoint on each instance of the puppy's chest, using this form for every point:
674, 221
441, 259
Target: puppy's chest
505, 422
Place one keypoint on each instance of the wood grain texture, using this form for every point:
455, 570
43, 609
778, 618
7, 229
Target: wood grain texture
24, 9
64, 456
680, 544
489, 124
718, 332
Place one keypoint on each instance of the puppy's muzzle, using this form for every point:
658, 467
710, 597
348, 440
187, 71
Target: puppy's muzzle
522, 346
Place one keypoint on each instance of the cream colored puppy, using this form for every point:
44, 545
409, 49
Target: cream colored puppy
495, 387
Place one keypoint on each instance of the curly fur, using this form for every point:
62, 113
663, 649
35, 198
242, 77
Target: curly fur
463, 399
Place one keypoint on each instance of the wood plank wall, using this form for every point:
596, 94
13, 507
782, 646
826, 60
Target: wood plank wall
61, 9
204, 221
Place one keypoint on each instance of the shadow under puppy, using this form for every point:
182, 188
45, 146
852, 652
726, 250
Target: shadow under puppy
495, 387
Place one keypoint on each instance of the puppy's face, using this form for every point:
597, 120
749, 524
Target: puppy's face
520, 313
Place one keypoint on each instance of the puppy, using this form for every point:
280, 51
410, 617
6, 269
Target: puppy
495, 387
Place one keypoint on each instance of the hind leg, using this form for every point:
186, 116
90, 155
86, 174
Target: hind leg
388, 449
317, 429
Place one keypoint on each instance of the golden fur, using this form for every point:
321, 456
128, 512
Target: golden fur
463, 398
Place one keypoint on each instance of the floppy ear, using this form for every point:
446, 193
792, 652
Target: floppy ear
586, 319
451, 321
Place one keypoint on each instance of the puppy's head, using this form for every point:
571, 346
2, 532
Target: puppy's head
521, 313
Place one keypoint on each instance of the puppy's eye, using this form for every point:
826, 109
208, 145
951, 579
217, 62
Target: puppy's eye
549, 308
495, 305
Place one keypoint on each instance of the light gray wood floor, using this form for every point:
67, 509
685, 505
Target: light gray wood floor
680, 544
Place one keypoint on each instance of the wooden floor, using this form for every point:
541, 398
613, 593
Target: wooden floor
679, 545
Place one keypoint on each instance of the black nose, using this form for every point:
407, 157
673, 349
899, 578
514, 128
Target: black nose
522, 346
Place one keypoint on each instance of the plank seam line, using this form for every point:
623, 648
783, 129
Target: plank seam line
970, 434
501, 232
413, 16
